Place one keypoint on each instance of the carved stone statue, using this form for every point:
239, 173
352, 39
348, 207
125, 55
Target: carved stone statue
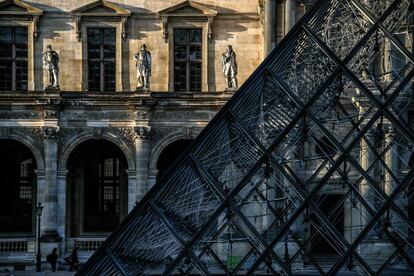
51, 64
143, 63
228, 61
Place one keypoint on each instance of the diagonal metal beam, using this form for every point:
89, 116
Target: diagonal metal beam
207, 177
116, 263
383, 107
177, 236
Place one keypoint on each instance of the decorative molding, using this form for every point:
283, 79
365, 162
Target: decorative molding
182, 115
187, 10
50, 114
142, 115
83, 115
165, 29
101, 9
188, 131
21, 114
24, 10
128, 135
50, 132
5, 133
143, 132
35, 133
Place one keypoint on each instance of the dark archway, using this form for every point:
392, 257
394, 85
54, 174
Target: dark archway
97, 187
170, 154
17, 187
321, 245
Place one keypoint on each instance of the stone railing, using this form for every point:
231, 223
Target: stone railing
13, 246
88, 244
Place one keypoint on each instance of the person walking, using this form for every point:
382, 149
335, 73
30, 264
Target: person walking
73, 260
52, 258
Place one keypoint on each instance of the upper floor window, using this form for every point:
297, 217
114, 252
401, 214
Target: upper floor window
13, 58
187, 60
101, 59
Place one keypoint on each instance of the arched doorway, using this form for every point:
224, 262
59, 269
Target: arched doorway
17, 187
170, 154
97, 188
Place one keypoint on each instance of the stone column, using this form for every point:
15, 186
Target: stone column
142, 146
61, 206
391, 160
290, 15
152, 178
132, 189
366, 159
49, 217
270, 25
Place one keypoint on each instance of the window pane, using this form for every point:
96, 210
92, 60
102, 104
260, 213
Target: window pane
109, 51
187, 54
109, 36
195, 77
180, 36
94, 51
5, 75
21, 35
180, 52
195, 35
109, 76
94, 35
21, 50
5, 34
180, 77
21, 75
195, 53
6, 50
94, 76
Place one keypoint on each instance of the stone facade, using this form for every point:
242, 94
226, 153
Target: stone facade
52, 124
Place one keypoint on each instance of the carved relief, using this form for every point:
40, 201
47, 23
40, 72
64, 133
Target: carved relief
143, 132
50, 132
142, 115
97, 115
23, 114
182, 115
50, 114
128, 136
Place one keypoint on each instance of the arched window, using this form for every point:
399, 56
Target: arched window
170, 154
97, 187
17, 186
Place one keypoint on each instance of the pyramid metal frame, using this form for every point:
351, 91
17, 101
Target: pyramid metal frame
253, 153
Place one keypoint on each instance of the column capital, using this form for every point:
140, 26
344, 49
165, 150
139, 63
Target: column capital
131, 173
62, 173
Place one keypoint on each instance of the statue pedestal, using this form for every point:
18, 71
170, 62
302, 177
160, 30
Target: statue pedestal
230, 89
50, 88
142, 89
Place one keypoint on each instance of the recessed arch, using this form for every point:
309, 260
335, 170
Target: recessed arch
17, 188
170, 154
162, 144
97, 187
31, 145
109, 136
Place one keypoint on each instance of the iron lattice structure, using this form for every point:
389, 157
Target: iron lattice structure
308, 168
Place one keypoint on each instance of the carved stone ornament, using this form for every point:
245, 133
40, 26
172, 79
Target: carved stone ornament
143, 132
93, 11
190, 10
50, 132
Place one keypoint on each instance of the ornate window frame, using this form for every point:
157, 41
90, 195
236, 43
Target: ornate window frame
102, 14
16, 13
188, 14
